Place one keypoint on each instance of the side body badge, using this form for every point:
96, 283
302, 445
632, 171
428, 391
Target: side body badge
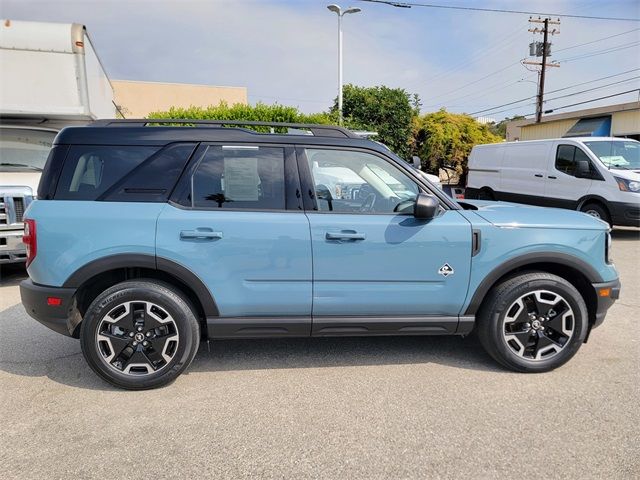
446, 270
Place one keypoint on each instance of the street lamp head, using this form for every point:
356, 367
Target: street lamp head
334, 8
352, 10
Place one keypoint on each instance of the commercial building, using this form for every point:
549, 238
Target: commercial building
138, 99
622, 120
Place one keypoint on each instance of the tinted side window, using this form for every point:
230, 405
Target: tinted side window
90, 170
565, 162
152, 180
248, 177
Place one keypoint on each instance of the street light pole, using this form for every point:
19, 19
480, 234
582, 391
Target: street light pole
337, 10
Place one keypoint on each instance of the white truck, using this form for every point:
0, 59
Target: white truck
51, 78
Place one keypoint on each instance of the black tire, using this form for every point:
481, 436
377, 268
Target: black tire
516, 298
179, 337
596, 210
486, 194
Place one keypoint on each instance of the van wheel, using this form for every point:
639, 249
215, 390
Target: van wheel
486, 194
533, 322
596, 210
139, 334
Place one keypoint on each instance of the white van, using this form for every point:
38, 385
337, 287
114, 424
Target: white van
596, 175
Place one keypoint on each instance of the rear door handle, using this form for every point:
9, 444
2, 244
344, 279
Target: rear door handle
539, 175
345, 235
202, 233
552, 177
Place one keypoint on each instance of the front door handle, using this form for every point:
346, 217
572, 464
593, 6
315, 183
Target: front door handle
351, 235
202, 233
539, 175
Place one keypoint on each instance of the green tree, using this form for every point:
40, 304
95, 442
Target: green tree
387, 111
444, 139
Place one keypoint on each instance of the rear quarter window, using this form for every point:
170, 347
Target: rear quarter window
122, 173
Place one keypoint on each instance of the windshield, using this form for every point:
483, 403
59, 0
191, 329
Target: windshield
24, 149
621, 154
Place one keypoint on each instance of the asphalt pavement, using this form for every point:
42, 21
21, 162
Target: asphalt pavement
403, 407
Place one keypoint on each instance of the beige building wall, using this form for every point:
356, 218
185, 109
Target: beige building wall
138, 99
626, 123
546, 130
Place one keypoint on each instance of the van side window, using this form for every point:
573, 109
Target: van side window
567, 158
246, 177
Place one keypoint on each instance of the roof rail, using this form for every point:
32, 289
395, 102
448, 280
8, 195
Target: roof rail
316, 129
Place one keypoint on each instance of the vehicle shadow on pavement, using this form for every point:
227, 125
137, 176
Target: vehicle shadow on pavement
29, 349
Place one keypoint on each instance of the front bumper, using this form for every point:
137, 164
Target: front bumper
606, 294
11, 247
625, 214
59, 318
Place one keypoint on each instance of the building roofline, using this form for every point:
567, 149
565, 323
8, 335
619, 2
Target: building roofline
590, 112
175, 83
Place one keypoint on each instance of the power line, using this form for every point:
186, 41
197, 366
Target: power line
496, 10
617, 48
592, 100
594, 80
556, 98
596, 41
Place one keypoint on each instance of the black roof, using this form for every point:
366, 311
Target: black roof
152, 132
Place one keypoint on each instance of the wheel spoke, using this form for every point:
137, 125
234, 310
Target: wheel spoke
117, 343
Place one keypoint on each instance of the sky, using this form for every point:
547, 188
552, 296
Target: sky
285, 51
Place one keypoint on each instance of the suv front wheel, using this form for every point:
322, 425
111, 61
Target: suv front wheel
533, 322
139, 334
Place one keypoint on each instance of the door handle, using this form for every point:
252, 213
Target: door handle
539, 175
202, 233
345, 235
552, 177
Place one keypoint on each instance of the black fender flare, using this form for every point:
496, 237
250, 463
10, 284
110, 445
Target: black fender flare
139, 260
503, 269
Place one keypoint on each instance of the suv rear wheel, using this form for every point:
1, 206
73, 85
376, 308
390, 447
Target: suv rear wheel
533, 322
139, 334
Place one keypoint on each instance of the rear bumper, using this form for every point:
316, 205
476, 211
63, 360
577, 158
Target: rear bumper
11, 247
625, 214
59, 317
606, 294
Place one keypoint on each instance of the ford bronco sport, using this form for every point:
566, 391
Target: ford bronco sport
147, 237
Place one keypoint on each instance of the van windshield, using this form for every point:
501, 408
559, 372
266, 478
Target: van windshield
24, 148
620, 154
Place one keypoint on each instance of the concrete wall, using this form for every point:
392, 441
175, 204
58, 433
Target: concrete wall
626, 123
546, 130
138, 99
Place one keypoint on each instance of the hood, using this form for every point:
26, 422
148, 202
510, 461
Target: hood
515, 215
20, 179
633, 175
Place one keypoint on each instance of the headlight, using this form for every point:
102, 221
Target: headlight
607, 249
627, 185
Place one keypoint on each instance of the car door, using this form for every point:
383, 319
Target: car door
377, 269
563, 188
237, 222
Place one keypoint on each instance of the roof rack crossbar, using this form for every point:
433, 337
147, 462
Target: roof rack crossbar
317, 130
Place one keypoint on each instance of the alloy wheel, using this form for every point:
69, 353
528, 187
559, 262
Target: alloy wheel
538, 325
137, 338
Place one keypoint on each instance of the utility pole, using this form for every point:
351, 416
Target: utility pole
543, 50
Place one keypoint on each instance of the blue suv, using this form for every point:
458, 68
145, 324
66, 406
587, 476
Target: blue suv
147, 237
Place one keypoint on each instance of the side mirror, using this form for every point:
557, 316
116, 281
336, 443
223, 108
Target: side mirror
417, 163
426, 207
583, 170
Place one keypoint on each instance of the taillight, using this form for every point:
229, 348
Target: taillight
30, 240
